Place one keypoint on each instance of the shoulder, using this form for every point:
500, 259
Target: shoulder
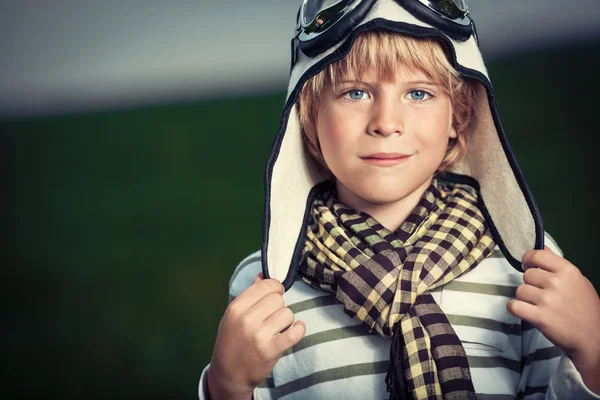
497, 268
244, 274
550, 242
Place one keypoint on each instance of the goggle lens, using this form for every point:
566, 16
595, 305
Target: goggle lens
312, 8
316, 15
451, 9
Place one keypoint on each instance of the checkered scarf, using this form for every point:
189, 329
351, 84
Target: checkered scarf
383, 279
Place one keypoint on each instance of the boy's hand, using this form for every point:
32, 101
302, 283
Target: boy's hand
562, 304
252, 337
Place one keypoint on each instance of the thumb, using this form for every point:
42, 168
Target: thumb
549, 249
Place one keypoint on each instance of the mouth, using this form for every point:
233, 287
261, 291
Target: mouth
386, 159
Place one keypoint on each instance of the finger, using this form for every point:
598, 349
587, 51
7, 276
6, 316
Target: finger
538, 277
290, 337
266, 307
524, 310
531, 294
549, 249
257, 291
543, 259
258, 278
278, 322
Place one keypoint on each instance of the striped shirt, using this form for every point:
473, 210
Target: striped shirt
339, 358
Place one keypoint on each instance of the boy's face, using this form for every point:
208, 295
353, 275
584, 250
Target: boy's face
384, 141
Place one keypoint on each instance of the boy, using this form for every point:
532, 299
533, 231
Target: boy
396, 210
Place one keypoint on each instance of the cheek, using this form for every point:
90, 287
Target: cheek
433, 131
323, 130
435, 139
332, 134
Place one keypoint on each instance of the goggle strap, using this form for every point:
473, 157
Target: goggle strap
294, 50
468, 15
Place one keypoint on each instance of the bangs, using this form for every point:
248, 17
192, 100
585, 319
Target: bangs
381, 53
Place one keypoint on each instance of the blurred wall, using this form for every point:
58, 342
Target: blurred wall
82, 55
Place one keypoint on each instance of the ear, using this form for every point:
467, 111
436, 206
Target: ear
453, 134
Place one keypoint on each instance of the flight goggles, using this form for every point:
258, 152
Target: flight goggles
323, 23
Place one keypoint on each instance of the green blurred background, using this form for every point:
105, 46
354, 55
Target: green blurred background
120, 229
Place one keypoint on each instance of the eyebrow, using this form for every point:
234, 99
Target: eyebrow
413, 82
351, 81
422, 82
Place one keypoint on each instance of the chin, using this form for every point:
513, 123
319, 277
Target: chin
383, 194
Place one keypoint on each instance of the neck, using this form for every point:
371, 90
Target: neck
389, 214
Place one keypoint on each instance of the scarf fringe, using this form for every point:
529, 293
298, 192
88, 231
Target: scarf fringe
394, 379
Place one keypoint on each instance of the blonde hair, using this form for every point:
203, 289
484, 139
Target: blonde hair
382, 52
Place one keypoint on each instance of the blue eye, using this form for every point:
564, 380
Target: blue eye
418, 95
356, 94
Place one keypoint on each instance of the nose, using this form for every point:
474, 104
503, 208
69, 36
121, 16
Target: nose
387, 117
